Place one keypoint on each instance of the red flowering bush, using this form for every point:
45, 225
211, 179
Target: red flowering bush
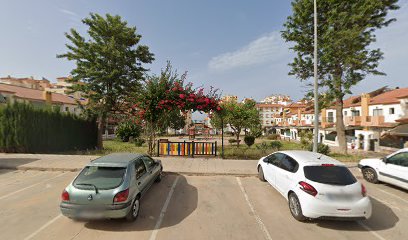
166, 93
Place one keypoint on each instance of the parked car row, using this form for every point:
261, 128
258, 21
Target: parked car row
315, 185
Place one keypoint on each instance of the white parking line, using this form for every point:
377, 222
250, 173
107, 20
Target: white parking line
257, 218
370, 230
391, 194
43, 227
163, 210
20, 190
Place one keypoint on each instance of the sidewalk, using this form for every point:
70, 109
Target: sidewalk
188, 166
193, 166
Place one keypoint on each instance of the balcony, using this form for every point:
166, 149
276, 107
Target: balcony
369, 121
352, 121
327, 122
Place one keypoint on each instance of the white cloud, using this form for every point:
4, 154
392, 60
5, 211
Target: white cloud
265, 49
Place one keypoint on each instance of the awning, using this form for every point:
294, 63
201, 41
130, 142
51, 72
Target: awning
400, 130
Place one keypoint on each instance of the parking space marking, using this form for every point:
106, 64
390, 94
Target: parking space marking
391, 194
20, 190
370, 230
163, 210
257, 218
43, 227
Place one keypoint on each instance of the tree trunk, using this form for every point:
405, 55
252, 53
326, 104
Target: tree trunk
340, 129
101, 125
237, 133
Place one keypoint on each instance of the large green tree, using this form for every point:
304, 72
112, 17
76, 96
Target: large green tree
346, 29
109, 64
238, 116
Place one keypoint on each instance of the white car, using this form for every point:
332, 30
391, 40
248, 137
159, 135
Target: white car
392, 169
315, 185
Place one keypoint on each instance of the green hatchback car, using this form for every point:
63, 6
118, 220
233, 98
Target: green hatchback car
110, 187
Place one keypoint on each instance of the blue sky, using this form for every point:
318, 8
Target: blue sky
232, 45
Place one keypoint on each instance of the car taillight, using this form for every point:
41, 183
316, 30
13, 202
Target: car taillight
121, 196
363, 190
327, 165
307, 188
65, 196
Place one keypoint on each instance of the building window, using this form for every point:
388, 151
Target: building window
330, 117
66, 109
345, 113
377, 112
392, 111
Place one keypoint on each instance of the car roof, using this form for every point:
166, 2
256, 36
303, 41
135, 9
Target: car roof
115, 159
311, 158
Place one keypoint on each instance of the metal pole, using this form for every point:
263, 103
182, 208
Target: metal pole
316, 104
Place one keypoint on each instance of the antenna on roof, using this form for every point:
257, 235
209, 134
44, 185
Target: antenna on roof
320, 156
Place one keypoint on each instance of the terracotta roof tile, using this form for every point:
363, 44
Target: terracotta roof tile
389, 97
28, 93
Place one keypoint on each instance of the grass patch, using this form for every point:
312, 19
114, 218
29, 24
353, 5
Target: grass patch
253, 153
112, 146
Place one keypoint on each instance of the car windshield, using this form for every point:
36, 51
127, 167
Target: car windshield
100, 177
334, 175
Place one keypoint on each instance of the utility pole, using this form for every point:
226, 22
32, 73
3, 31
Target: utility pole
316, 104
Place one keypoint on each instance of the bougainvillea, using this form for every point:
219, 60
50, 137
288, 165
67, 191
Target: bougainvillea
166, 93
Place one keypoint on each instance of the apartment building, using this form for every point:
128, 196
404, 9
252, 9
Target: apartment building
40, 98
368, 120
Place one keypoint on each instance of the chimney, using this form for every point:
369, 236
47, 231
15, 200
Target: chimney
47, 96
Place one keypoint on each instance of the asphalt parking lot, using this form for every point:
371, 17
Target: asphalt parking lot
189, 207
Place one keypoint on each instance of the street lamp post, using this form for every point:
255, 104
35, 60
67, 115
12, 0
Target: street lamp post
316, 104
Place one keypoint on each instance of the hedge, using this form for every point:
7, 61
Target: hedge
26, 129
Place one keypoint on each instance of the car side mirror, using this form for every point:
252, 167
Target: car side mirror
384, 159
266, 160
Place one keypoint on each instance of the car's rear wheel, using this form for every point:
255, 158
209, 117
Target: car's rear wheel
261, 174
295, 208
134, 211
370, 175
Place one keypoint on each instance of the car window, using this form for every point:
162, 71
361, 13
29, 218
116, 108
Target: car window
334, 175
400, 159
148, 161
289, 164
140, 168
100, 177
276, 158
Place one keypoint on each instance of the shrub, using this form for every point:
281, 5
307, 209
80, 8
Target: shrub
139, 142
321, 148
232, 140
249, 140
263, 147
24, 128
128, 129
276, 145
273, 137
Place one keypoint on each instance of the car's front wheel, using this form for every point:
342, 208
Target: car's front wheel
261, 174
370, 175
134, 211
160, 176
295, 208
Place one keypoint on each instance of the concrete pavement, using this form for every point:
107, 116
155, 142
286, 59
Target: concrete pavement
212, 207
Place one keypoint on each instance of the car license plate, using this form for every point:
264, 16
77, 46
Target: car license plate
89, 214
340, 197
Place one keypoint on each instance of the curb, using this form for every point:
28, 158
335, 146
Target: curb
203, 174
